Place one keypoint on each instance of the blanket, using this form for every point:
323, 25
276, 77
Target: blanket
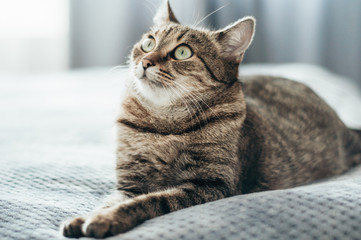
57, 156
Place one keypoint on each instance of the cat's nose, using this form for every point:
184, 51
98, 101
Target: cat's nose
147, 63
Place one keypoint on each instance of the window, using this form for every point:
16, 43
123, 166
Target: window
34, 35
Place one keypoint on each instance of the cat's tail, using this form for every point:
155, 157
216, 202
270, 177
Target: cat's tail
354, 146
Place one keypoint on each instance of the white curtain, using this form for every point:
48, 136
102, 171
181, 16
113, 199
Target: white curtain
323, 32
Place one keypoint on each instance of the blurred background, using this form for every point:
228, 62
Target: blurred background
41, 36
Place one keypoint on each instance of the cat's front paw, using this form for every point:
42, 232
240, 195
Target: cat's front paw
72, 228
101, 224
104, 224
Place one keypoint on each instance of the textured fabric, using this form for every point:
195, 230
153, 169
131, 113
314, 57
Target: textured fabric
57, 161
322, 211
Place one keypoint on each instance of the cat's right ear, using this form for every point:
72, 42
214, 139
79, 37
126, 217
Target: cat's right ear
164, 14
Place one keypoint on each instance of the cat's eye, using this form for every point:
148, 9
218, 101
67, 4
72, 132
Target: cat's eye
148, 44
182, 52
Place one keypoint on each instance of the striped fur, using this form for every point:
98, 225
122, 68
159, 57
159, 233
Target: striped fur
189, 132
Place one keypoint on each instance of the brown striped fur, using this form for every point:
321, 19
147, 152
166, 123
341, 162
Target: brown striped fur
190, 132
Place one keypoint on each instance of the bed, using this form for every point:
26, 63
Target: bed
57, 158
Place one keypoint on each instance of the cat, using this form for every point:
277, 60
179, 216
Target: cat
192, 131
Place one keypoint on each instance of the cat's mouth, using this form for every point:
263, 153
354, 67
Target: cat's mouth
151, 79
149, 76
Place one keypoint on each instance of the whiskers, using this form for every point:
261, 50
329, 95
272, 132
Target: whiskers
191, 112
199, 104
119, 67
210, 14
169, 92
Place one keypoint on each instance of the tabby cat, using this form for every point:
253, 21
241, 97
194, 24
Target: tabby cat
191, 131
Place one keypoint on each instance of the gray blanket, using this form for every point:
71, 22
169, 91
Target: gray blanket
57, 161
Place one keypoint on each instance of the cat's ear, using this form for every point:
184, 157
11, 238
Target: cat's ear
164, 14
236, 38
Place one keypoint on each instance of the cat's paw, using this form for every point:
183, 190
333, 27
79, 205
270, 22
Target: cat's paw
100, 224
72, 228
105, 224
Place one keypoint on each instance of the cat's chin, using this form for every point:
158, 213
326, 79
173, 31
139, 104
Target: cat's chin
153, 92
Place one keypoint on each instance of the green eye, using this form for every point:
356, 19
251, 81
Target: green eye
148, 44
182, 52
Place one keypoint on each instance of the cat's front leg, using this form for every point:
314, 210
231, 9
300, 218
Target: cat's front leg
125, 216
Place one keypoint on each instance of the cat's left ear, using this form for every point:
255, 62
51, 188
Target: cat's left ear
164, 14
236, 38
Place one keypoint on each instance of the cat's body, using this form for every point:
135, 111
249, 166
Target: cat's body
298, 148
234, 143
189, 132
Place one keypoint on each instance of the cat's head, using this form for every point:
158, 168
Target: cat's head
172, 61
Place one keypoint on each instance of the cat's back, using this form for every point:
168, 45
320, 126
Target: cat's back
284, 101
304, 139
271, 90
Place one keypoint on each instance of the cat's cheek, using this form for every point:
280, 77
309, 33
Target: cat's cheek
139, 71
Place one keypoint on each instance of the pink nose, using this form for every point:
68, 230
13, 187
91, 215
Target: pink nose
147, 63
